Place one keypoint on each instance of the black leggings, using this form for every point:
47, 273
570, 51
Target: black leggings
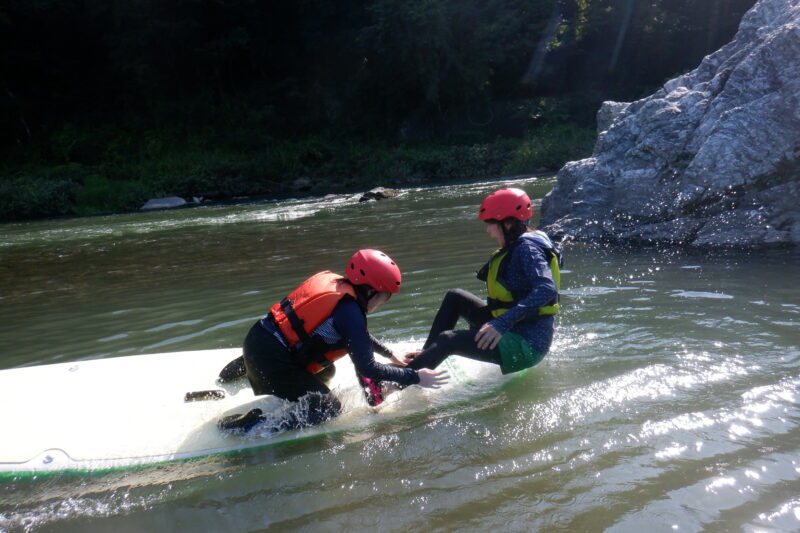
271, 369
443, 340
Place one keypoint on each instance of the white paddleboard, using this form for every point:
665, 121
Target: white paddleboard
127, 411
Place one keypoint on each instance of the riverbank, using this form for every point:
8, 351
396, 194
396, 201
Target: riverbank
83, 174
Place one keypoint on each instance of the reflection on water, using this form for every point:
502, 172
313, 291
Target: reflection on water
669, 400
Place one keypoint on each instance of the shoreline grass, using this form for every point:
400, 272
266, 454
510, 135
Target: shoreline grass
87, 177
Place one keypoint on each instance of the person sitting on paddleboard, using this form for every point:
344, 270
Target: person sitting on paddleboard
513, 328
290, 353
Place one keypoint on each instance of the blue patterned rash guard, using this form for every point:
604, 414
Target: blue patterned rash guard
347, 320
529, 278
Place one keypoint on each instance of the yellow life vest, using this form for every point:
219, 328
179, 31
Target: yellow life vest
500, 295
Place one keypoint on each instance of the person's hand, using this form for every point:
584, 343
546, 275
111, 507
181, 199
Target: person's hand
396, 361
409, 356
487, 337
431, 379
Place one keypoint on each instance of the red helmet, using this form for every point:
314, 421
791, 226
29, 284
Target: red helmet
506, 203
376, 269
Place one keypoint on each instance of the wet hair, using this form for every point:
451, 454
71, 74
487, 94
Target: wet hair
363, 294
516, 227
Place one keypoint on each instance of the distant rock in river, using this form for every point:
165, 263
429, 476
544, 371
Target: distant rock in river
712, 158
168, 202
378, 193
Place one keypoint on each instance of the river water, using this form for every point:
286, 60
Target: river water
669, 400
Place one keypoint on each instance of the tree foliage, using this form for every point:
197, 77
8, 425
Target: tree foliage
373, 69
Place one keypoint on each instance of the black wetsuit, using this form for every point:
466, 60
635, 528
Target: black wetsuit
272, 368
443, 340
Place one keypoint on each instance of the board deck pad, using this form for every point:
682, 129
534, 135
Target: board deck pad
126, 411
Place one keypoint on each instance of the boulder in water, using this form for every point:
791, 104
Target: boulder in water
378, 193
711, 159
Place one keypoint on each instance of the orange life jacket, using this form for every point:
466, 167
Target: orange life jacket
306, 307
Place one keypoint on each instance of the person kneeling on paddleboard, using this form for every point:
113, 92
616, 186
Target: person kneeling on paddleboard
514, 327
290, 352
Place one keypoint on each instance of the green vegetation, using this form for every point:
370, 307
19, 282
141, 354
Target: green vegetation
551, 148
275, 168
106, 104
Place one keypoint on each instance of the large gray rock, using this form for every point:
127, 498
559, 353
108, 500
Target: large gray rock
712, 158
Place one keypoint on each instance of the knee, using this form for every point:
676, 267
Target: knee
454, 295
443, 340
445, 337
327, 374
324, 406
313, 408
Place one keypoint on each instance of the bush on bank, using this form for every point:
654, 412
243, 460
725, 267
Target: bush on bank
82, 173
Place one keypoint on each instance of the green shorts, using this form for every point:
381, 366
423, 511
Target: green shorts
516, 353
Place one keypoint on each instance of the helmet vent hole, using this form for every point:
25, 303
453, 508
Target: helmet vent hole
363, 273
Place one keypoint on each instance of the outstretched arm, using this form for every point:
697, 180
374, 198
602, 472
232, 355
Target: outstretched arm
352, 326
379, 347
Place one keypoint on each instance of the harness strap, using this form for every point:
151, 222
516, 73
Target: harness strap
295, 321
494, 303
312, 351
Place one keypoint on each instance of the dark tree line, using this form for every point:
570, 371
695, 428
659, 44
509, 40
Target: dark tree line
357, 68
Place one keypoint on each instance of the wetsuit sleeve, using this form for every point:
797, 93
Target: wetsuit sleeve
379, 347
349, 321
528, 267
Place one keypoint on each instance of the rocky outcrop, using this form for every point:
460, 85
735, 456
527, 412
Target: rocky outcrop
712, 158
